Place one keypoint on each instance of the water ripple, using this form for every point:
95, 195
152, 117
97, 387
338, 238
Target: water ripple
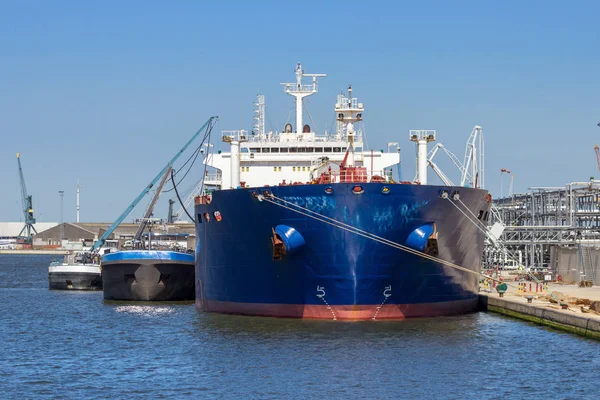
73, 345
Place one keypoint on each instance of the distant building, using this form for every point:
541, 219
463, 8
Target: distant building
76, 236
11, 230
74, 233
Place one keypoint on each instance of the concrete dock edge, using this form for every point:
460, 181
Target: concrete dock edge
560, 319
35, 252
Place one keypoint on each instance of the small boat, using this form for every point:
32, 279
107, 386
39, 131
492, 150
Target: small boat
74, 274
148, 275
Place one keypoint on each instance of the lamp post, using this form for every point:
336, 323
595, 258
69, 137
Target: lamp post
62, 227
503, 170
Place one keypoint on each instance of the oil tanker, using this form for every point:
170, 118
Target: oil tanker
314, 226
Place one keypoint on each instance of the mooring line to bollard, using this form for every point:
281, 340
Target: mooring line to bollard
349, 228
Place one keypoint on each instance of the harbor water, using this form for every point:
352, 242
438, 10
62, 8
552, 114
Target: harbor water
59, 344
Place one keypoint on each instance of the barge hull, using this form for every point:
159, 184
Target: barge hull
74, 277
148, 277
74, 281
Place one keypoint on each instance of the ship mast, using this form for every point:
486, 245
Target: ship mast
259, 116
348, 112
300, 91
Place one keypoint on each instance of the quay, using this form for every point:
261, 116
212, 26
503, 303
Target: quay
574, 314
36, 252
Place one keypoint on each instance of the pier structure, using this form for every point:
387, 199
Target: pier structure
554, 230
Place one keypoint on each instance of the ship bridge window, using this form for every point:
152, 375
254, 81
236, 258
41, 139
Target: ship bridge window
344, 149
301, 149
318, 149
266, 150
337, 150
254, 150
275, 150
310, 149
244, 149
327, 149
293, 149
284, 150
358, 149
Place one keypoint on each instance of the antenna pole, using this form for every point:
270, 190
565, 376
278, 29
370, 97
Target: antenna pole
300, 91
78, 186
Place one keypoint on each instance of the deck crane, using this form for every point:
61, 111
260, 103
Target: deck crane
208, 125
473, 173
436, 169
150, 209
432, 154
26, 201
198, 188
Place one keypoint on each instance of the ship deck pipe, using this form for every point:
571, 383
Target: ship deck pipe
235, 164
422, 161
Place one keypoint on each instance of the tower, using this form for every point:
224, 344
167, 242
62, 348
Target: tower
300, 91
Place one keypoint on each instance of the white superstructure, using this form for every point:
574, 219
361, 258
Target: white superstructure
260, 158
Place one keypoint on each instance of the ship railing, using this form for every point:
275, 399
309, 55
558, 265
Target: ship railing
212, 179
361, 176
292, 138
293, 87
344, 104
239, 135
289, 137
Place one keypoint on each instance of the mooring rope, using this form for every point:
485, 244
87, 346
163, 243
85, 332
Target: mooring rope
341, 225
502, 247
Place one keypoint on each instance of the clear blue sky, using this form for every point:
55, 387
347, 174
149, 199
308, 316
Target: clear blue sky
108, 91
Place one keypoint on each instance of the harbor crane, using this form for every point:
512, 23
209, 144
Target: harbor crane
27, 203
207, 127
597, 150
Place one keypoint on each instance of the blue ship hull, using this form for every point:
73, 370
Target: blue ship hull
337, 274
148, 275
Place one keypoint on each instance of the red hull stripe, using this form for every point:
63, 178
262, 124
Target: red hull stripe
349, 312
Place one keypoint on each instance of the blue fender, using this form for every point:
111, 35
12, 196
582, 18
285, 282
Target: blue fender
418, 238
292, 239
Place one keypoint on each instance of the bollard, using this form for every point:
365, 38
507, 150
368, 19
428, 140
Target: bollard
501, 288
529, 298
